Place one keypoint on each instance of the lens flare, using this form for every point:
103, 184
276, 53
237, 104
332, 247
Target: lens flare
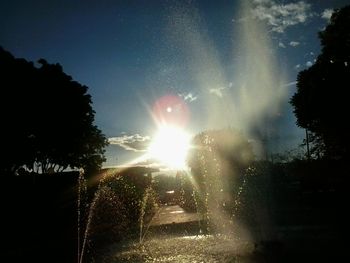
170, 146
171, 110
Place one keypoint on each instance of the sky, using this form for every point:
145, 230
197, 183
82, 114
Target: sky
226, 63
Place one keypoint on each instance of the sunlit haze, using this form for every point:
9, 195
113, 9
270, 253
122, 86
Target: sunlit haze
199, 65
174, 130
170, 146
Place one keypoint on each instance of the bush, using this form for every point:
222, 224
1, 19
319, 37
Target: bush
116, 212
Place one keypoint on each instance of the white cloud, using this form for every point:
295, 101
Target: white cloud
280, 44
134, 142
281, 16
294, 43
308, 64
261, 1
292, 83
188, 97
327, 14
153, 164
297, 66
217, 91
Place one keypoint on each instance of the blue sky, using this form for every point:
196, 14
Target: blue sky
131, 53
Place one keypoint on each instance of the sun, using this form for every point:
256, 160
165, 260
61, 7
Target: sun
170, 146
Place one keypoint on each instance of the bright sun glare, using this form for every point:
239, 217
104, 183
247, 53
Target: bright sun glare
170, 146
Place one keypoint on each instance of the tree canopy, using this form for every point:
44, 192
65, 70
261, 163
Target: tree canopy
219, 161
47, 119
223, 153
320, 103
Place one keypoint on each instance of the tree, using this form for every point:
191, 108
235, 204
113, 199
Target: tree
47, 119
222, 155
320, 103
226, 146
218, 160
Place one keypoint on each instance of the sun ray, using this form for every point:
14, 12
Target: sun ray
170, 146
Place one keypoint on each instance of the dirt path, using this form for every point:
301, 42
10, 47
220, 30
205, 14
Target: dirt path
173, 214
172, 220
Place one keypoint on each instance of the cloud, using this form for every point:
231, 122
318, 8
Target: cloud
152, 163
308, 64
327, 14
292, 83
217, 91
261, 1
281, 16
297, 66
294, 43
135, 142
280, 44
188, 97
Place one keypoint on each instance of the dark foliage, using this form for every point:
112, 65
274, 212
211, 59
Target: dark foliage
122, 203
320, 103
226, 146
220, 153
47, 119
39, 218
218, 161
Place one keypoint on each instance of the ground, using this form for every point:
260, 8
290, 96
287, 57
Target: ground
174, 236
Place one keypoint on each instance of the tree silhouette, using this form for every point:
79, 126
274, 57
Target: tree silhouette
222, 155
225, 145
219, 159
47, 119
320, 103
